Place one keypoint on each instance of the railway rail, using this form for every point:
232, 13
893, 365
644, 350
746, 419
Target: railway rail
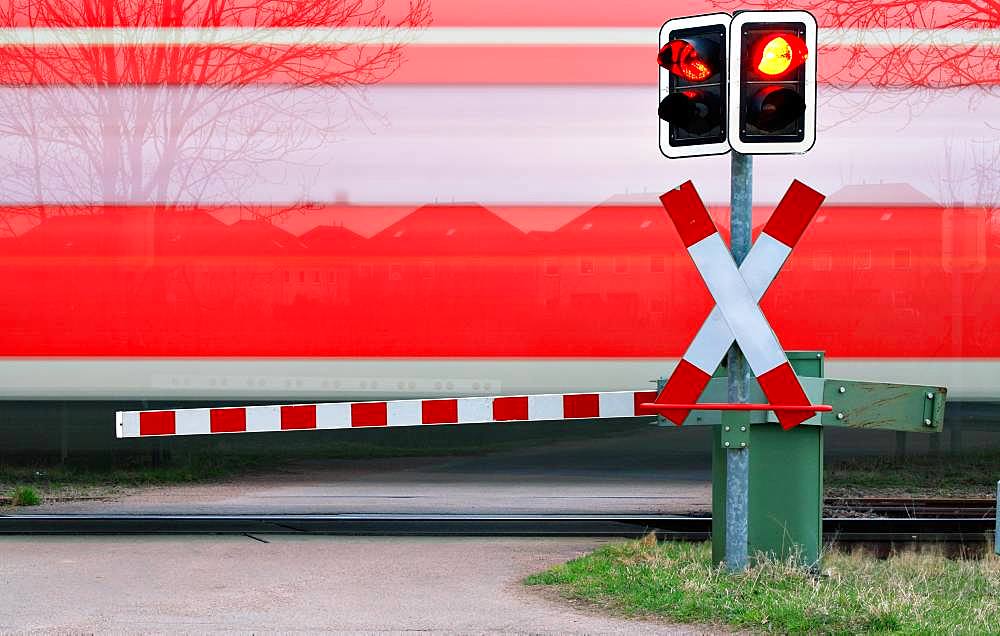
883, 531
910, 507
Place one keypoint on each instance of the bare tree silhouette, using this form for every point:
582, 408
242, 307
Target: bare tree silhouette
903, 70
135, 122
904, 60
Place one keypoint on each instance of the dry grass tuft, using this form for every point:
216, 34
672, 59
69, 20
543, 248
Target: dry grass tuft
906, 593
25, 496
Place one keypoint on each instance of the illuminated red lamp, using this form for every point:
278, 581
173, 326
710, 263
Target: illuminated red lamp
780, 53
682, 59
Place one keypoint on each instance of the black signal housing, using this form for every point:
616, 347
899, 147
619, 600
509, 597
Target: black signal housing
773, 82
693, 86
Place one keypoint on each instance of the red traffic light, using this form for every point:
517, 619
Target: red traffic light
681, 58
778, 53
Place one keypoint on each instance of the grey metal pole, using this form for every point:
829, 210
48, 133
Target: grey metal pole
738, 459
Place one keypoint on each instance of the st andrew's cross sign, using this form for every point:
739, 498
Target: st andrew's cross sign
737, 317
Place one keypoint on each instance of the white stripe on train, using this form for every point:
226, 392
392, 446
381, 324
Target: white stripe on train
449, 36
333, 379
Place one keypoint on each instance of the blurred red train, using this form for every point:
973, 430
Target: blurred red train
118, 281
132, 302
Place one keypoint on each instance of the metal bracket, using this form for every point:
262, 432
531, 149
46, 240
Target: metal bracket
874, 405
660, 383
735, 429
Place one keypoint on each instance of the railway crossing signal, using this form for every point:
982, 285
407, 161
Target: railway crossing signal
746, 83
772, 88
693, 93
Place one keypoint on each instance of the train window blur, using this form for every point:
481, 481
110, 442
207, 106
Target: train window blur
863, 260
964, 235
823, 262
901, 259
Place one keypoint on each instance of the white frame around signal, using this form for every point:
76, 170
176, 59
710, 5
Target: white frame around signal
666, 149
735, 50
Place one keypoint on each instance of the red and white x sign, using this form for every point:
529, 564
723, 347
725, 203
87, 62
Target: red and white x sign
737, 315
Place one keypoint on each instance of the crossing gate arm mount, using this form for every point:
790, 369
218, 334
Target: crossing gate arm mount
876, 405
852, 404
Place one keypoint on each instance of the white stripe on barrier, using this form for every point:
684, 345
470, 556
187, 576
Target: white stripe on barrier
545, 407
403, 413
478, 409
262, 419
192, 422
332, 416
130, 424
616, 404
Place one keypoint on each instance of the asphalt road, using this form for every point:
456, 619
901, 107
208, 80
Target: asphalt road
290, 584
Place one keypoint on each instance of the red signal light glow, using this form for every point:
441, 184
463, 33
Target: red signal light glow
680, 58
781, 53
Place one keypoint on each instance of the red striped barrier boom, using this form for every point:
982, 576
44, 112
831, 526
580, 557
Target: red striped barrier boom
338, 415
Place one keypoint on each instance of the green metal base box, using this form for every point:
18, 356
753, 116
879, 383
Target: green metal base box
786, 482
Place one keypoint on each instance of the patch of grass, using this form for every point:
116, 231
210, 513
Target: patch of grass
968, 474
909, 593
184, 469
56, 477
25, 496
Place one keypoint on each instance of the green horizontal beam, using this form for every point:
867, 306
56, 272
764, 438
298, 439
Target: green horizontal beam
882, 406
870, 405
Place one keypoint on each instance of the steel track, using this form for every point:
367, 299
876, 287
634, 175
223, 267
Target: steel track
921, 507
840, 530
